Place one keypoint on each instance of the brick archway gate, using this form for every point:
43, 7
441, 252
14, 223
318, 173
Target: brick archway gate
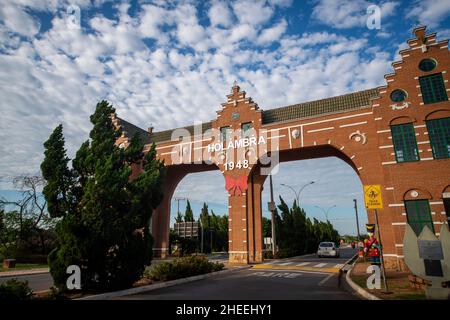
356, 127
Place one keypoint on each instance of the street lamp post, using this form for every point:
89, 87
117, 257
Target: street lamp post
297, 195
177, 199
326, 211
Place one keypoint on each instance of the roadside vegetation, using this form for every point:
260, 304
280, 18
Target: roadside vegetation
15, 290
297, 234
399, 285
102, 214
182, 268
27, 233
215, 233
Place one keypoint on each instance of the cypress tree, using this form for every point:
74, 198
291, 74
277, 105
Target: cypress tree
188, 214
57, 174
105, 227
179, 217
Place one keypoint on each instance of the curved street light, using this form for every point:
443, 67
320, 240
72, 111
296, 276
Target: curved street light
297, 195
326, 211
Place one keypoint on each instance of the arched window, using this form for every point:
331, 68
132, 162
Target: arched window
418, 211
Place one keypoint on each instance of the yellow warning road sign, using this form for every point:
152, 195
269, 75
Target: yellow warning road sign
372, 196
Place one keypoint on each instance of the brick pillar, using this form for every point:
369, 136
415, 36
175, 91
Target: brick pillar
160, 228
245, 242
238, 229
254, 217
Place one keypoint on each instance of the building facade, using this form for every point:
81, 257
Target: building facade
396, 136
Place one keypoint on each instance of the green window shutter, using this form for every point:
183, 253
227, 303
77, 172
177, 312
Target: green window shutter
404, 139
439, 133
419, 215
433, 88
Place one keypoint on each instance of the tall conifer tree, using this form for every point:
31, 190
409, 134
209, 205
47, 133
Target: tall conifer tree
105, 214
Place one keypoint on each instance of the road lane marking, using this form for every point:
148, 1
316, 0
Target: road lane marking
293, 267
288, 275
285, 263
321, 283
339, 265
320, 265
303, 264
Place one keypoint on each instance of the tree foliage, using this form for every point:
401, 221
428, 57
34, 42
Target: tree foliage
26, 230
104, 214
188, 214
297, 234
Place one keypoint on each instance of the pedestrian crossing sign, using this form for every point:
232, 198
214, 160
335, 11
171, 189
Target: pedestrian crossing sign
372, 196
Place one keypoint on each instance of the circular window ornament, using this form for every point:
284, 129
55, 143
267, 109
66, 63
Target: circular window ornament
398, 95
427, 65
414, 194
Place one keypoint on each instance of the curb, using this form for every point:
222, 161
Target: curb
18, 273
360, 291
151, 287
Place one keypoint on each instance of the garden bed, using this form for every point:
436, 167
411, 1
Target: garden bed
398, 283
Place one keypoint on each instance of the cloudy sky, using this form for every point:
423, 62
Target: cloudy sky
170, 63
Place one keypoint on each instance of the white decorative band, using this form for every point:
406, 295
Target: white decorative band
396, 205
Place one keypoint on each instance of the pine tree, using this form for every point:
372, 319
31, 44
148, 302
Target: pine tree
188, 214
206, 227
56, 172
104, 229
204, 216
179, 217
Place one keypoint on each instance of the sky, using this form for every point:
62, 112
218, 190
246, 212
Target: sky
169, 63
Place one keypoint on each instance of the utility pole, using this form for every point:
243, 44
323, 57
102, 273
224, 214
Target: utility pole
178, 203
210, 235
272, 210
357, 220
201, 226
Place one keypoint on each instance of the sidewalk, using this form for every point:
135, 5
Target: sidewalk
14, 273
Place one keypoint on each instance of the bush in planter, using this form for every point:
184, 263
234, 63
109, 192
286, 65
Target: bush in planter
15, 290
182, 268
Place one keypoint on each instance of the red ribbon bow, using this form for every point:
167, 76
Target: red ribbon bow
236, 186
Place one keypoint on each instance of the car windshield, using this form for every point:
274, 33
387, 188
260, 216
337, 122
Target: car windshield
326, 244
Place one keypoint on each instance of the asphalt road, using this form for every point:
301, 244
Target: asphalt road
43, 281
262, 284
37, 282
275, 282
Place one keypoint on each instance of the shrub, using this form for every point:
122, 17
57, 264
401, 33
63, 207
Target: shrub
181, 268
15, 290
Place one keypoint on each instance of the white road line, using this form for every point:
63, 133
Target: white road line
320, 265
321, 283
339, 265
303, 264
285, 263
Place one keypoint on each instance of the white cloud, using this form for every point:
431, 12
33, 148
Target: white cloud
18, 20
252, 12
272, 34
429, 12
342, 14
220, 14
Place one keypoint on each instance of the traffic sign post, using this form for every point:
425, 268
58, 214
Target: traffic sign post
373, 200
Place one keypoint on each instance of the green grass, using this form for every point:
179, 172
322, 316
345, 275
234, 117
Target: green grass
25, 266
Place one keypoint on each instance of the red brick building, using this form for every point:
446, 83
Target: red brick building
397, 136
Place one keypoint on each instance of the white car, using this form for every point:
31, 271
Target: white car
328, 249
